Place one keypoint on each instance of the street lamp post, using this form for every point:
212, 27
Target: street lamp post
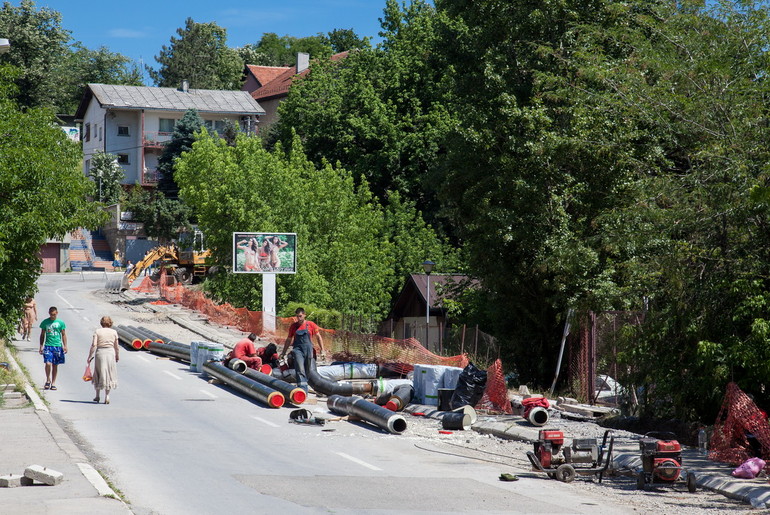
427, 265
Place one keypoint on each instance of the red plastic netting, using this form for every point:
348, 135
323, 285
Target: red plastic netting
741, 430
399, 355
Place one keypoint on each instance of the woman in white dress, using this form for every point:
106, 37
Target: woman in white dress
105, 348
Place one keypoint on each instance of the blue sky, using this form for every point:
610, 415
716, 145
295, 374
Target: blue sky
139, 28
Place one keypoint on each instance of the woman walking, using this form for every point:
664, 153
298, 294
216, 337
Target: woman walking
29, 319
104, 347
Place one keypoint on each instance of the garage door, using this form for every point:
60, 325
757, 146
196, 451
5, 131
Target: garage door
49, 253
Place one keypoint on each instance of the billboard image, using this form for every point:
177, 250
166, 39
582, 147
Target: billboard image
264, 253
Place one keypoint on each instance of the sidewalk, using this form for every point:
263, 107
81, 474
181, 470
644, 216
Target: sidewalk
710, 475
31, 436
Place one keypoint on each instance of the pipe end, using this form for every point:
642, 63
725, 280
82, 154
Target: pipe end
298, 396
391, 405
266, 369
275, 400
146, 344
137, 344
397, 424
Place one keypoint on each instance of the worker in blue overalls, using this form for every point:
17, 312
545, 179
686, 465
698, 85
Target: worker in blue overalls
300, 337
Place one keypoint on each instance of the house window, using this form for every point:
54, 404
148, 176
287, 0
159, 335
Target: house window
100, 133
166, 124
123, 159
88, 166
122, 130
87, 136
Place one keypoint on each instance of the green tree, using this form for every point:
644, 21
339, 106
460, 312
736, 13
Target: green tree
43, 194
275, 50
107, 175
342, 262
38, 46
181, 141
163, 218
379, 112
341, 40
199, 55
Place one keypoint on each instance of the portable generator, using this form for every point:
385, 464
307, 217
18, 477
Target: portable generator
661, 460
584, 456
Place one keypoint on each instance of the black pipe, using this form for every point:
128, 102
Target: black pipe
151, 334
169, 350
326, 387
244, 385
237, 365
400, 398
294, 393
361, 408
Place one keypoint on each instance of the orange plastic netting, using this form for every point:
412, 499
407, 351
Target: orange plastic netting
400, 355
741, 430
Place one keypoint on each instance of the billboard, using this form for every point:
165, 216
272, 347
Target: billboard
264, 253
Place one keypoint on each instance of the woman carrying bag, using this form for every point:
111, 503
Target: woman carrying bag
105, 354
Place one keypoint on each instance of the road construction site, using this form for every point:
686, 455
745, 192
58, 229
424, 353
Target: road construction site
502, 440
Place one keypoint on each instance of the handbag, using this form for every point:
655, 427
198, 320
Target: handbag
87, 376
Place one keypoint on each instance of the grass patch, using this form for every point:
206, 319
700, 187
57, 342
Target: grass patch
9, 375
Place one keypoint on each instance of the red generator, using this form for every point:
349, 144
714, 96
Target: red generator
585, 456
661, 461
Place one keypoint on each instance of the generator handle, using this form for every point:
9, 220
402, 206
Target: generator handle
535, 461
661, 435
609, 453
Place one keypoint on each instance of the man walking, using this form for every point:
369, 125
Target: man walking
53, 346
302, 332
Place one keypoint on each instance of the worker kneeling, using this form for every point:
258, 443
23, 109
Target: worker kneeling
246, 352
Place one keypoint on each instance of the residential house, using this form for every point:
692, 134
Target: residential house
269, 87
134, 122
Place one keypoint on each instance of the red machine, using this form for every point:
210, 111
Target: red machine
584, 456
662, 460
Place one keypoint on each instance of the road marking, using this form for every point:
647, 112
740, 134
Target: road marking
173, 375
356, 460
62, 298
204, 392
267, 423
142, 358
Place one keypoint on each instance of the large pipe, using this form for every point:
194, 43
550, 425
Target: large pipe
130, 338
294, 393
244, 385
168, 349
360, 407
152, 335
538, 416
326, 387
401, 397
237, 365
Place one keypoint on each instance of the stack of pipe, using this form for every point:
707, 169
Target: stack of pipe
372, 413
244, 384
294, 393
173, 349
131, 337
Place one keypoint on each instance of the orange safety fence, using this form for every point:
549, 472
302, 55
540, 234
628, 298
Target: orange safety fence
739, 423
398, 355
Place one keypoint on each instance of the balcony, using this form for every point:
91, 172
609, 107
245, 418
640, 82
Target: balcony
150, 177
156, 139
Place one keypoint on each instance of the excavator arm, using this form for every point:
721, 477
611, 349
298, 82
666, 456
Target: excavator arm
168, 252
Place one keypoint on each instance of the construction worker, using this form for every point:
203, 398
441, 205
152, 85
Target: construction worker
246, 352
269, 355
300, 337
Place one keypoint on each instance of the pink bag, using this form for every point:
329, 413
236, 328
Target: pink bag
87, 376
749, 468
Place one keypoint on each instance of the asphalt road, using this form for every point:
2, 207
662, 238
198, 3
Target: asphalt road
171, 443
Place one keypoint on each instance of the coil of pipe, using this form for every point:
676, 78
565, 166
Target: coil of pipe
129, 337
372, 413
245, 385
170, 350
326, 387
294, 393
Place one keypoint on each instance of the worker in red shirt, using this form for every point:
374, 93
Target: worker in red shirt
245, 351
269, 355
300, 337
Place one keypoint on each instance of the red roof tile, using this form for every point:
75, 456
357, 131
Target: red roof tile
265, 74
280, 85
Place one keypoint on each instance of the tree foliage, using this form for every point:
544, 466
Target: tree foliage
163, 219
181, 141
43, 194
199, 55
275, 50
108, 177
342, 261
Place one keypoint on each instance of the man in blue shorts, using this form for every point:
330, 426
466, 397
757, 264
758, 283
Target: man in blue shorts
53, 346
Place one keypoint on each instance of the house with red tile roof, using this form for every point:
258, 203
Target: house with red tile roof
269, 86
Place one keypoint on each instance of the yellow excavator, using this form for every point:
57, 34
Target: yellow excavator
184, 265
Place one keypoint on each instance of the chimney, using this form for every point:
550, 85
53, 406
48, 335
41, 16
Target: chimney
303, 61
185, 86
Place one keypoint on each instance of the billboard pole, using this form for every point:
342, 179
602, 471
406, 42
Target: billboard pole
268, 302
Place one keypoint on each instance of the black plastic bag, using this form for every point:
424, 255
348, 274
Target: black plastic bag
470, 387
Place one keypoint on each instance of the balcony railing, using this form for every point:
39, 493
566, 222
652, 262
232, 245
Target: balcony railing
156, 139
150, 176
